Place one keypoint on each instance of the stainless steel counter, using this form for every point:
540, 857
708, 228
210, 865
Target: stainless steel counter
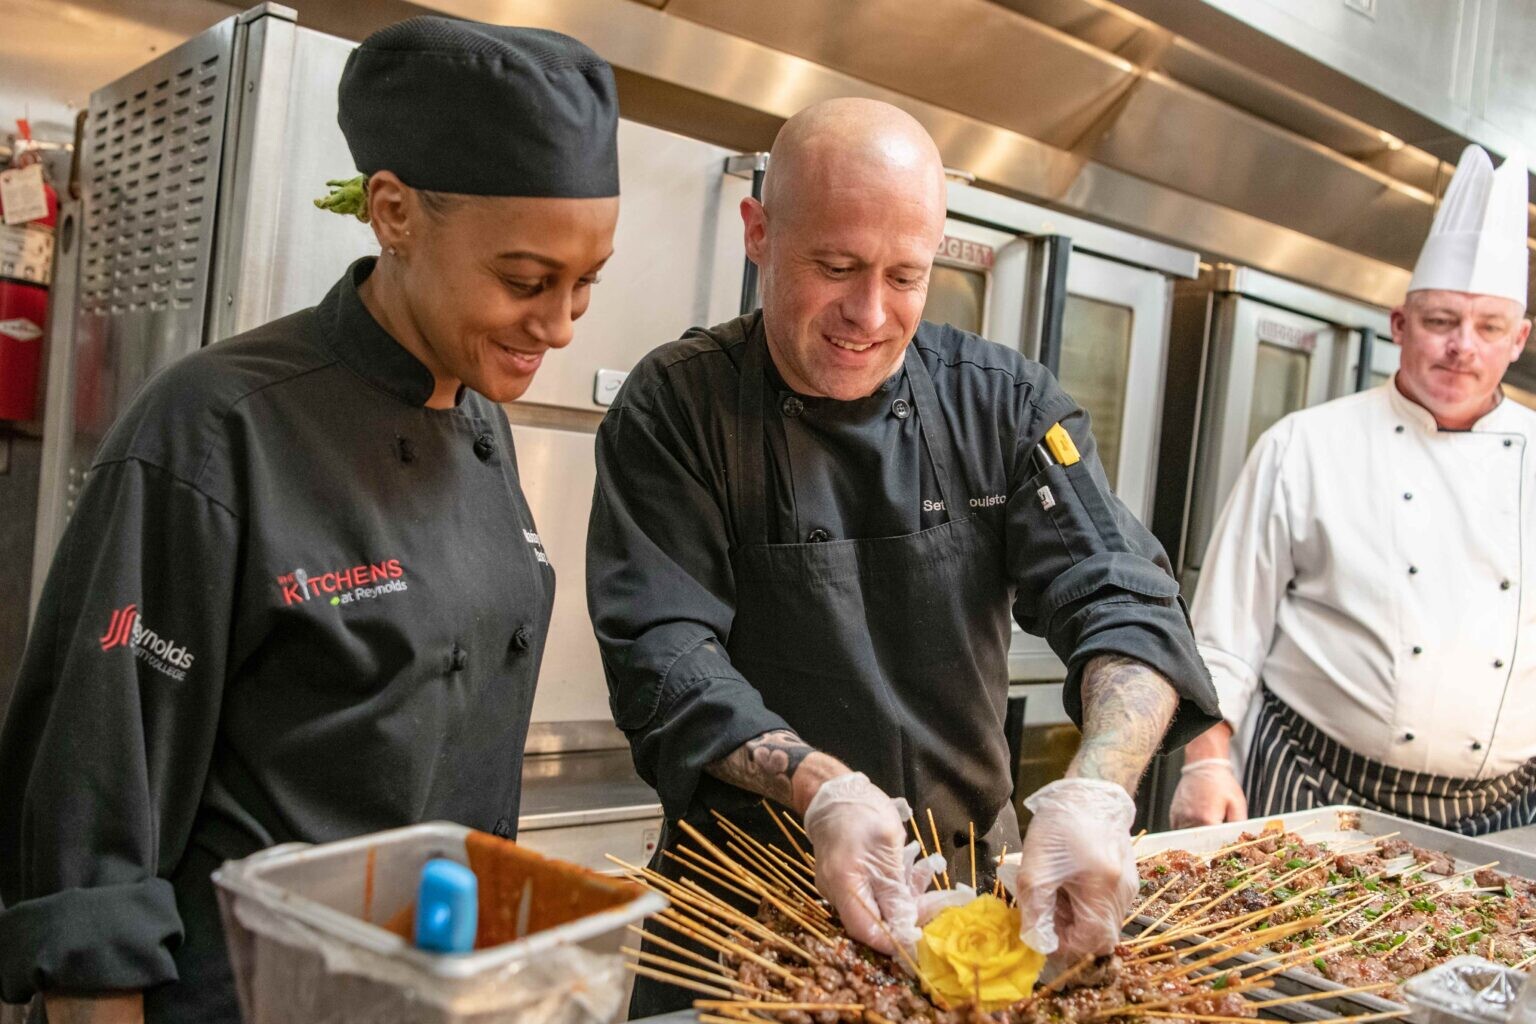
1522, 839
581, 806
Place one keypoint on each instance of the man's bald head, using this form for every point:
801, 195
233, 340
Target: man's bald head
847, 141
852, 213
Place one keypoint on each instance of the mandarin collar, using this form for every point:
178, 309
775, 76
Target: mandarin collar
758, 334
1501, 419
367, 348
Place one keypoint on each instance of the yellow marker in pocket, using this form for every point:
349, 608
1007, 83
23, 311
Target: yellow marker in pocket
1060, 443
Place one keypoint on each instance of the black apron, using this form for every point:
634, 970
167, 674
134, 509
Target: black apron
1293, 766
888, 653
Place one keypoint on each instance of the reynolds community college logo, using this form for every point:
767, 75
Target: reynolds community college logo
160, 653
345, 585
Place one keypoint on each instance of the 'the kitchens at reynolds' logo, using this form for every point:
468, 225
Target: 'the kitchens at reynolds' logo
160, 653
346, 585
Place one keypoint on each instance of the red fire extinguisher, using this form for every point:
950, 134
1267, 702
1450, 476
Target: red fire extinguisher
26, 268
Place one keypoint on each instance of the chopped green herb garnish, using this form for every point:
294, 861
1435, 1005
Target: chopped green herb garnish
1424, 906
1372, 885
1319, 963
1294, 863
1161, 869
1233, 883
1222, 982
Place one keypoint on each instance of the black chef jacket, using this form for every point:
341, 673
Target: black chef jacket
293, 604
659, 568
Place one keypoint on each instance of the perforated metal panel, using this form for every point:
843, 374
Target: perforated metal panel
153, 142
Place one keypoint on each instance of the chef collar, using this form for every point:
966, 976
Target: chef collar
1498, 420
368, 349
775, 380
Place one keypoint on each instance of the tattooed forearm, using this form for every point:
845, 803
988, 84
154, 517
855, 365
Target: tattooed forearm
765, 764
1126, 709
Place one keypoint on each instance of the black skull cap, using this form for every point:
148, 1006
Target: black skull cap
464, 107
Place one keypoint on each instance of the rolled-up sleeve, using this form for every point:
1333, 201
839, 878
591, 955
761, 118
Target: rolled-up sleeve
109, 735
662, 598
1092, 580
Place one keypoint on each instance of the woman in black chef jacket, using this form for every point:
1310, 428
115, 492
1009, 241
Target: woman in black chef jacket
302, 596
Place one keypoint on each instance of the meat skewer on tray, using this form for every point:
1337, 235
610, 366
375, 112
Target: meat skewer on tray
791, 960
1392, 909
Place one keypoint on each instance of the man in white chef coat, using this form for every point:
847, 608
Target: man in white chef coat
1362, 605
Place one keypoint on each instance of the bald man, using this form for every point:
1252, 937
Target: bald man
811, 524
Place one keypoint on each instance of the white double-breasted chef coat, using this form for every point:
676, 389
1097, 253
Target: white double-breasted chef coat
1372, 571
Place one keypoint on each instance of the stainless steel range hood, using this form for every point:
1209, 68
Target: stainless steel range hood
1080, 104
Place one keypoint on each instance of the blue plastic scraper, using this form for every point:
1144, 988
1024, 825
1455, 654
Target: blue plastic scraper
447, 906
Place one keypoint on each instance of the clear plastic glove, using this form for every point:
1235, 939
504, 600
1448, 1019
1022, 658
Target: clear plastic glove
1208, 794
1077, 877
855, 830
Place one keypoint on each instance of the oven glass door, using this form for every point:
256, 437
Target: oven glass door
1264, 363
975, 284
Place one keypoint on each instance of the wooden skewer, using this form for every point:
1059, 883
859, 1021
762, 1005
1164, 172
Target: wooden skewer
1058, 982
1137, 838
1259, 938
973, 858
707, 870
677, 979
760, 848
771, 879
779, 821
712, 908
681, 926
922, 844
1309, 996
774, 1007
1137, 911
673, 965
1363, 1018
938, 847
666, 944
720, 1018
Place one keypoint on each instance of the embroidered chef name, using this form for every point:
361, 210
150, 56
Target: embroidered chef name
160, 653
985, 501
345, 585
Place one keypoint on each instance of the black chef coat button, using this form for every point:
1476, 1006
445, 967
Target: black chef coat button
1498, 662
1507, 442
502, 829
522, 639
1477, 744
818, 535
901, 408
405, 449
1398, 428
458, 659
1417, 649
792, 406
485, 447
1413, 570
1503, 584
1407, 495
1407, 737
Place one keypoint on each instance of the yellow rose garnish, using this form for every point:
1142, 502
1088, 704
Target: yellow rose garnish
973, 954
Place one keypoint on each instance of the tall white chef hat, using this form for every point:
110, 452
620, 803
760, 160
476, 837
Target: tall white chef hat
1477, 242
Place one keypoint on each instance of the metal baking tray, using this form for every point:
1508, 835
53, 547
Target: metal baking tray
1325, 824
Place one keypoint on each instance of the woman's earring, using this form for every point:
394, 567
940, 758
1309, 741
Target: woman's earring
391, 251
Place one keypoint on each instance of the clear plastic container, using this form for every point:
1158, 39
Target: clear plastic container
1467, 989
315, 933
